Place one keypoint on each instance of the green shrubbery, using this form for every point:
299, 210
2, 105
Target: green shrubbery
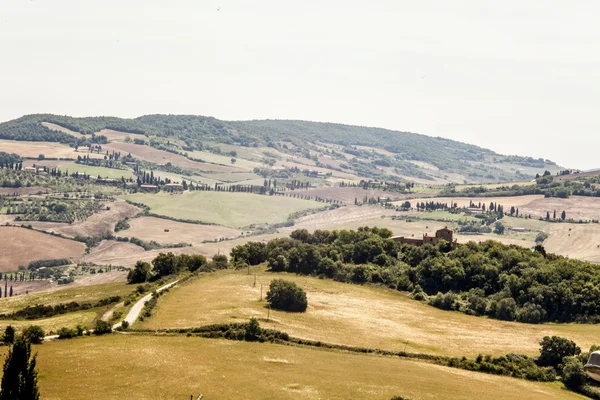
286, 296
505, 282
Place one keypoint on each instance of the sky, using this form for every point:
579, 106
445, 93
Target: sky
518, 77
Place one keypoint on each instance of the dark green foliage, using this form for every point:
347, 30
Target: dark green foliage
286, 296
515, 365
140, 273
573, 374
102, 327
504, 282
33, 265
66, 333
554, 349
9, 335
34, 334
219, 261
19, 381
169, 264
122, 225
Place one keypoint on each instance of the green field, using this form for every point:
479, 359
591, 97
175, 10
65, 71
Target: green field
235, 210
150, 367
95, 171
80, 294
356, 315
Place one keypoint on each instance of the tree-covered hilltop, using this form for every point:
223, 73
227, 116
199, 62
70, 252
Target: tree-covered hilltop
402, 149
503, 282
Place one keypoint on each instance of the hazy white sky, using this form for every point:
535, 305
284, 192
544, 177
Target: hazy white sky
519, 77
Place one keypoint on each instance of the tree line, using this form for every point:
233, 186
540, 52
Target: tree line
489, 278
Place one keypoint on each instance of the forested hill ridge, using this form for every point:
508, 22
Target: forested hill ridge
368, 152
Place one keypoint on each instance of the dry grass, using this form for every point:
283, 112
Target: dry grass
20, 246
58, 295
229, 209
347, 195
115, 253
151, 154
143, 367
507, 202
576, 207
70, 320
149, 228
58, 128
355, 315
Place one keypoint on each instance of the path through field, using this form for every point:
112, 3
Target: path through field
135, 311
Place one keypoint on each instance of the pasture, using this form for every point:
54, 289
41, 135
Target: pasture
224, 160
52, 324
99, 222
20, 246
160, 157
347, 195
223, 208
95, 171
165, 231
126, 366
356, 315
62, 294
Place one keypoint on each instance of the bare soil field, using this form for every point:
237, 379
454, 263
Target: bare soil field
581, 241
291, 164
221, 369
151, 154
113, 252
23, 190
576, 207
507, 202
357, 315
19, 246
34, 149
100, 222
347, 194
58, 128
165, 231
113, 135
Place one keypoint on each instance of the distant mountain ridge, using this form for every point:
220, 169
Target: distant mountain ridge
401, 155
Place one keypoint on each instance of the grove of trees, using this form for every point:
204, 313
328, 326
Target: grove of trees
489, 278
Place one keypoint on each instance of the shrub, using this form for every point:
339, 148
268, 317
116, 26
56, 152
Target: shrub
573, 374
554, 349
287, 296
124, 325
66, 333
34, 334
102, 327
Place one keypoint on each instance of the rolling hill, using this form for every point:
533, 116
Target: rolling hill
363, 151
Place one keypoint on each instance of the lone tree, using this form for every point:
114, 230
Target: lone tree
554, 349
286, 296
20, 374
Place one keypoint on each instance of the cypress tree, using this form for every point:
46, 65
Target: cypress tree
20, 376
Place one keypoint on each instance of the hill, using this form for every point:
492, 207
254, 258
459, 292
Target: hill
363, 152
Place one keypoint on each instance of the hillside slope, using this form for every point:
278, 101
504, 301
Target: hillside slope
364, 151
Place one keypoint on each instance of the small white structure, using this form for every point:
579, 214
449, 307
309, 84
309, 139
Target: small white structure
518, 229
592, 368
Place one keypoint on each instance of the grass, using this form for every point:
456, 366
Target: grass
355, 315
80, 294
127, 366
440, 215
223, 160
94, 171
52, 324
492, 186
230, 209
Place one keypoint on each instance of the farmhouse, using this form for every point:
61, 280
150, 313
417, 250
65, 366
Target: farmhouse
173, 187
149, 188
442, 234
